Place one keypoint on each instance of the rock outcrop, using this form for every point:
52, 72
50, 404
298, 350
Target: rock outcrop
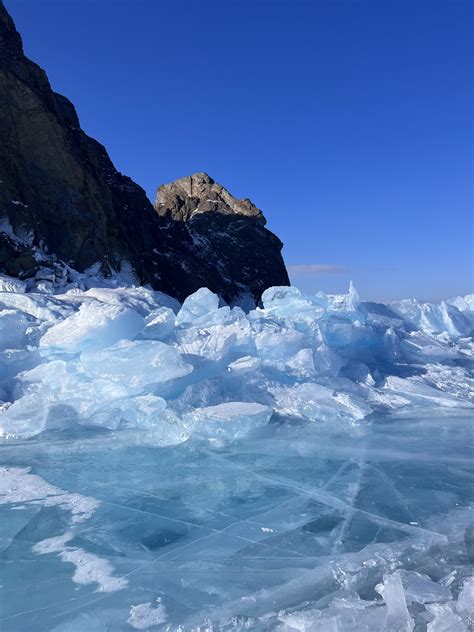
228, 235
62, 200
183, 199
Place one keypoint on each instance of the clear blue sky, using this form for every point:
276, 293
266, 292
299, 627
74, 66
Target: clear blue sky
347, 121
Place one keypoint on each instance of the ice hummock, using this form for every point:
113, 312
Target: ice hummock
228, 421
308, 357
301, 466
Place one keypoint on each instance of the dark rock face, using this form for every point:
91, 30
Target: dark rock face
60, 195
228, 235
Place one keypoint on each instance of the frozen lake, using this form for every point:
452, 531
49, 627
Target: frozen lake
290, 528
306, 466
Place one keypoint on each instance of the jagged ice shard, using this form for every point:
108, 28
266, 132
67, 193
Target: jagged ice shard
305, 466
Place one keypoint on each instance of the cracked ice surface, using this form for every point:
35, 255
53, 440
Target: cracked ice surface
303, 467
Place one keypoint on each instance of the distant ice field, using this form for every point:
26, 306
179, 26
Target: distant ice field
305, 466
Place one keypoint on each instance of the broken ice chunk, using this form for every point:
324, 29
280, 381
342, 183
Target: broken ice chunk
465, 603
352, 300
58, 395
13, 328
196, 306
302, 364
327, 361
228, 421
421, 589
445, 620
289, 303
135, 364
416, 392
142, 411
340, 302
95, 325
278, 344
463, 303
214, 342
280, 294
432, 318
398, 618
337, 332
25, 417
359, 372
137, 412
245, 364
165, 429
318, 403
159, 323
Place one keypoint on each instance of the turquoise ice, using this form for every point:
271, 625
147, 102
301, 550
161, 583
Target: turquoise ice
306, 466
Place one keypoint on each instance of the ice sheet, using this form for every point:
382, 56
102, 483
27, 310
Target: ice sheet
306, 466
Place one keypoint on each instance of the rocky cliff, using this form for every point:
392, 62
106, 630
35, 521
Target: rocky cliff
62, 200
